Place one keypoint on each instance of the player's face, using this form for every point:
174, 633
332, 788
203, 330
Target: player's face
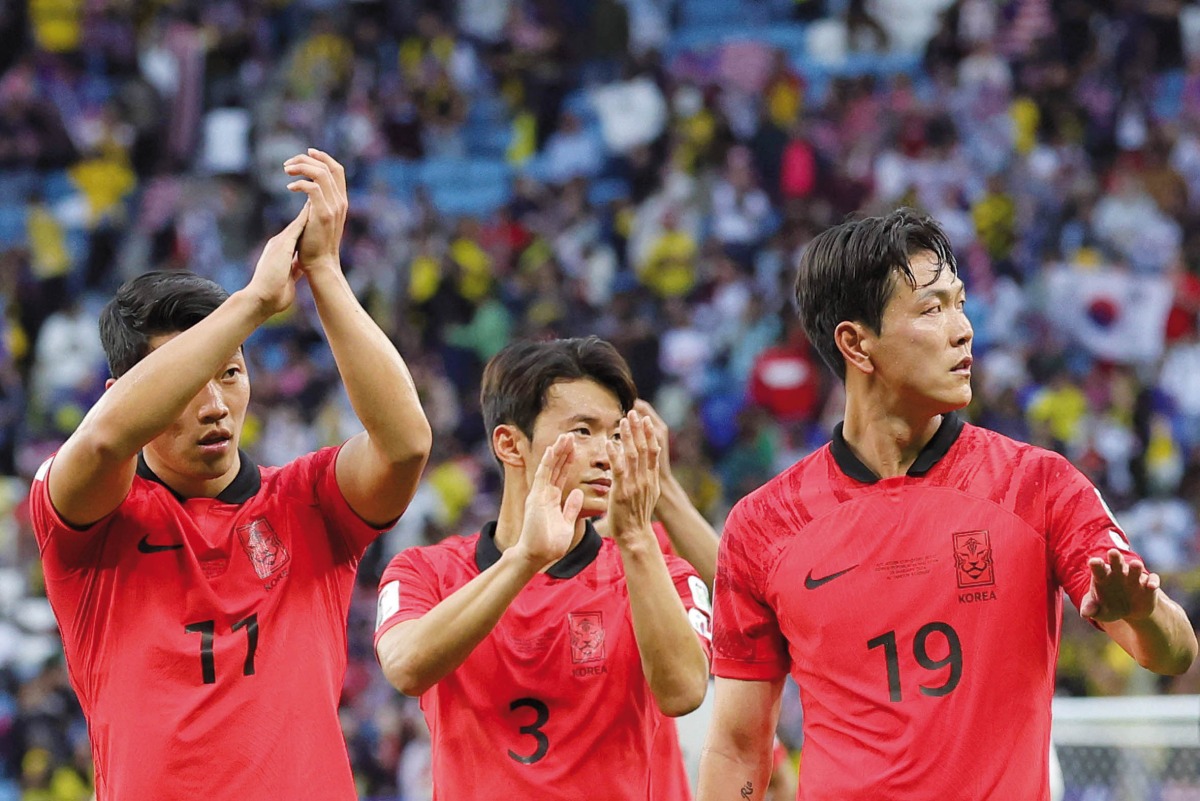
923, 352
591, 413
201, 445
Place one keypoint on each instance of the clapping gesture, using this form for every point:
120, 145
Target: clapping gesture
274, 281
323, 179
1120, 590
635, 478
548, 528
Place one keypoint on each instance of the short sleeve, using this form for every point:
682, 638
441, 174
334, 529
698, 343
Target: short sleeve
318, 470
694, 594
747, 641
408, 589
60, 543
1079, 526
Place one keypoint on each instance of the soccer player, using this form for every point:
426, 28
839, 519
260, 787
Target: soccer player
542, 652
910, 574
202, 598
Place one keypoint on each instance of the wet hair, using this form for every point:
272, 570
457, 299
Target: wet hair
848, 272
517, 380
154, 303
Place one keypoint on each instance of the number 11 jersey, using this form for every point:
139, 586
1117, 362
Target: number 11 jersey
206, 637
920, 615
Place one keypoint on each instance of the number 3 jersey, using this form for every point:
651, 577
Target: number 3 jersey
919, 615
553, 703
206, 638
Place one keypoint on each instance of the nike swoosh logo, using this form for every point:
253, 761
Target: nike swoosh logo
811, 583
144, 546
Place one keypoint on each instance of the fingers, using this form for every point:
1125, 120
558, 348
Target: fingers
335, 168
573, 505
1100, 569
564, 451
654, 446
660, 426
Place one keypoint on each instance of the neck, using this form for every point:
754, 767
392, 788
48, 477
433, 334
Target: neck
190, 486
884, 437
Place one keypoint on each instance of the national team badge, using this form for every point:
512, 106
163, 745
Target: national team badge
263, 546
587, 636
973, 559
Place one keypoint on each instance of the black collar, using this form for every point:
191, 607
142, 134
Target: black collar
571, 565
245, 484
931, 454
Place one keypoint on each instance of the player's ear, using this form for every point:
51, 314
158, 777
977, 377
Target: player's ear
855, 342
108, 382
506, 444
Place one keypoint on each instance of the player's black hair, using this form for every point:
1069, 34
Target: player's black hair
848, 272
154, 303
517, 379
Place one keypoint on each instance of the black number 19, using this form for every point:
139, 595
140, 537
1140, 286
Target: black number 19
207, 630
891, 655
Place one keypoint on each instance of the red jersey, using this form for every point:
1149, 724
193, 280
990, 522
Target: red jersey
553, 703
206, 637
920, 615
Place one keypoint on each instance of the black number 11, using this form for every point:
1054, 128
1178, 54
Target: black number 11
207, 630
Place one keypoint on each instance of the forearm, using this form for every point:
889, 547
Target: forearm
417, 654
729, 775
691, 534
1164, 642
378, 382
672, 658
152, 395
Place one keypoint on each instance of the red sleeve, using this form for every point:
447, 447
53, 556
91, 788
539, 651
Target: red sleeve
408, 589
1080, 526
694, 594
318, 470
747, 641
58, 541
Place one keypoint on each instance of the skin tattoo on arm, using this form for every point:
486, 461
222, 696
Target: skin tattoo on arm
747, 790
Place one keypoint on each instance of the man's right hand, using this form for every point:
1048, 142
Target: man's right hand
273, 284
548, 528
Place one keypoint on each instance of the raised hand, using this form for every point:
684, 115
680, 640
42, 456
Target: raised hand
323, 179
1120, 590
548, 528
661, 434
635, 476
274, 281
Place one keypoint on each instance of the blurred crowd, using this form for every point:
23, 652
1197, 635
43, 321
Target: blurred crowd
644, 170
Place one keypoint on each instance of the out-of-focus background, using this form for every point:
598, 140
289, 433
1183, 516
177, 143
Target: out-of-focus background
645, 170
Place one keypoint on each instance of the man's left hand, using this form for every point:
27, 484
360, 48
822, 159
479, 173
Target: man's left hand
1120, 590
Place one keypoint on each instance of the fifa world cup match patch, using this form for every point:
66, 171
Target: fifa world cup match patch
700, 594
701, 623
389, 603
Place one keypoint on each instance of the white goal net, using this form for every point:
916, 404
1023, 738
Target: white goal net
1134, 748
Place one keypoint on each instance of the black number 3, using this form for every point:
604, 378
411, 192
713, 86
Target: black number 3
534, 729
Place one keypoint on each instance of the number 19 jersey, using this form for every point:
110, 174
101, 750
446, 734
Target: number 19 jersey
919, 615
553, 704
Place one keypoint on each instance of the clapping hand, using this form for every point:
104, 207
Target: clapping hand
635, 478
548, 528
323, 179
274, 281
